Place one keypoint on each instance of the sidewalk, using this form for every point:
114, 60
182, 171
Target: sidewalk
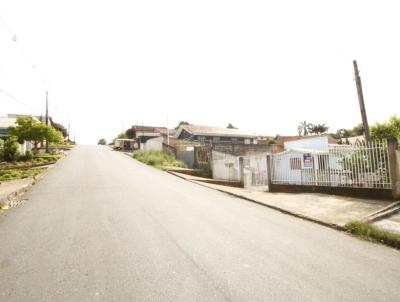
391, 223
330, 210
12, 187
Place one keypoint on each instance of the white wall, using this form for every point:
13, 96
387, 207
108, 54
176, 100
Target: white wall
316, 143
154, 144
225, 166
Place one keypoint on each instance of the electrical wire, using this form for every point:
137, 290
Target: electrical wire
15, 99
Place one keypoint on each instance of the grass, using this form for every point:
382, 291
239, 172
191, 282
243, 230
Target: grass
38, 160
158, 159
19, 174
366, 231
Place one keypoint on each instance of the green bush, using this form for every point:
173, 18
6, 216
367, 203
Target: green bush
18, 174
10, 149
367, 231
27, 157
158, 159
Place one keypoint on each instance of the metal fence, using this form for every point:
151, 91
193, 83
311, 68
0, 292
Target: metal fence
365, 165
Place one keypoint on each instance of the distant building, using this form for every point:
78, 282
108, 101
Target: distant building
208, 134
144, 133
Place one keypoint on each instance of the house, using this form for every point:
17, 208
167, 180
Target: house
310, 160
144, 133
308, 141
208, 135
9, 121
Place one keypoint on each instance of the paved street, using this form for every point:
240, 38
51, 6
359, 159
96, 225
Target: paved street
104, 227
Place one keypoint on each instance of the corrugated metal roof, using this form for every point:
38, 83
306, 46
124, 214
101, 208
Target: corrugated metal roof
6, 122
215, 131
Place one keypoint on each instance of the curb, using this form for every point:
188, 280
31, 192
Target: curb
294, 214
15, 197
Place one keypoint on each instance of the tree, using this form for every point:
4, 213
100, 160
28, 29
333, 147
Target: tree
102, 141
358, 130
389, 130
10, 150
131, 133
59, 127
318, 129
230, 126
182, 123
304, 128
122, 135
28, 129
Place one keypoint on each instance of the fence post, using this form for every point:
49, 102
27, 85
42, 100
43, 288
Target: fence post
269, 174
394, 166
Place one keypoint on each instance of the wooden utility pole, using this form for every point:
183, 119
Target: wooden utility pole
69, 127
47, 118
361, 102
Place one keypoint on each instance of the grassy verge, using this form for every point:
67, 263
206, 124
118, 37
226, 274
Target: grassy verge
38, 160
19, 174
366, 231
158, 159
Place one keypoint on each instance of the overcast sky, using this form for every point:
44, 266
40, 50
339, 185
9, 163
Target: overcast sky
262, 65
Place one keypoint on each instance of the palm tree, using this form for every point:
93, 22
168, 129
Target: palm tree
304, 128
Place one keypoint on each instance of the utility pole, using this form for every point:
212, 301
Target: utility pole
47, 118
361, 102
167, 132
69, 127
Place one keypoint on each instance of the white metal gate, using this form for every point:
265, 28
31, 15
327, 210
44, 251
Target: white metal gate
364, 165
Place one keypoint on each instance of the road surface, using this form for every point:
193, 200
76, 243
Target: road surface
104, 227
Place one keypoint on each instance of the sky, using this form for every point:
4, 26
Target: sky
263, 66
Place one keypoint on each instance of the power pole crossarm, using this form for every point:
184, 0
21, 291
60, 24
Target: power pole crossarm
361, 102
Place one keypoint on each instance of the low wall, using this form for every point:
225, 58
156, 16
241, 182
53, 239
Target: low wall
367, 193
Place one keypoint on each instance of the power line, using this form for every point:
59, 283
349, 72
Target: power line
15, 99
27, 59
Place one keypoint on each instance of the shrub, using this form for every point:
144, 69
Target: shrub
102, 141
10, 149
27, 157
158, 159
367, 231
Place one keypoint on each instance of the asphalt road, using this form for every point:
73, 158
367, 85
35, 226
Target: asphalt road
104, 227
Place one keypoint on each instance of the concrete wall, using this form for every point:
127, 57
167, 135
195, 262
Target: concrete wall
242, 149
250, 169
185, 156
154, 144
225, 166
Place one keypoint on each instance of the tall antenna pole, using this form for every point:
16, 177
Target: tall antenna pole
47, 118
361, 102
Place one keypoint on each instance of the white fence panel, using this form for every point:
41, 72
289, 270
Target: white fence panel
364, 165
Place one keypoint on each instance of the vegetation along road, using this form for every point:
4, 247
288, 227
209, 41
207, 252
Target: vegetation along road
102, 226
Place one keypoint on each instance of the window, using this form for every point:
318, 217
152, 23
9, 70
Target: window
295, 163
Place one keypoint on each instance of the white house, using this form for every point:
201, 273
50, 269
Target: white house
5, 123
